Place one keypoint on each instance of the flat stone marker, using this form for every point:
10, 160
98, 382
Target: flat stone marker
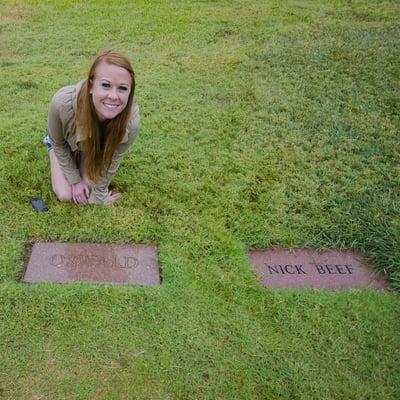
304, 268
97, 263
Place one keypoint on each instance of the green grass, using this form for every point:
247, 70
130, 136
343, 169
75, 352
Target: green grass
264, 123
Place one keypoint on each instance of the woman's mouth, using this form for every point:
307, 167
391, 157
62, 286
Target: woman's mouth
110, 106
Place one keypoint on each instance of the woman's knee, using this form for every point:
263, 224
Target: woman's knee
60, 185
64, 196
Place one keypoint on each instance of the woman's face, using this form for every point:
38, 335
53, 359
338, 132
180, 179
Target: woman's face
110, 90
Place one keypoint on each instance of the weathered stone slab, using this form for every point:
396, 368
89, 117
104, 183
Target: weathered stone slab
305, 268
97, 263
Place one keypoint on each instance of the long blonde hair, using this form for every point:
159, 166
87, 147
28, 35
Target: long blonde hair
98, 152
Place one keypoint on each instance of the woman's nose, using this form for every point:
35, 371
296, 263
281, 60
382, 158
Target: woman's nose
112, 94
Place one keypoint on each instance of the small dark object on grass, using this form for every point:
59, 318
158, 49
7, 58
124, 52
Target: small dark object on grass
39, 205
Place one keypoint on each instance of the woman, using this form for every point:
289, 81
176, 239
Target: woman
91, 125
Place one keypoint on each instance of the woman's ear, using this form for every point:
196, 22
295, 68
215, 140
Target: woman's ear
90, 86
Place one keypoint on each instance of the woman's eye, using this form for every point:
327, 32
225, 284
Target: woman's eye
105, 85
123, 88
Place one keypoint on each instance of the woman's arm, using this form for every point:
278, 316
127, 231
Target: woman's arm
60, 145
100, 193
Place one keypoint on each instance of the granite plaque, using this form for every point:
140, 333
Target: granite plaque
97, 263
305, 268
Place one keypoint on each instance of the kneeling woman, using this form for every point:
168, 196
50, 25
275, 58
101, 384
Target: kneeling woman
91, 125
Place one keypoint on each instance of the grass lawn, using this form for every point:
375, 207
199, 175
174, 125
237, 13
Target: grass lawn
264, 123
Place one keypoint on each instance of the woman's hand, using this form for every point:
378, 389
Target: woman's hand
80, 192
113, 197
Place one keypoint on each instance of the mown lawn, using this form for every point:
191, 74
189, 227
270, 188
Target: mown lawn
264, 123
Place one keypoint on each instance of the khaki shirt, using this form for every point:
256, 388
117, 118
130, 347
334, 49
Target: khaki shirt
65, 136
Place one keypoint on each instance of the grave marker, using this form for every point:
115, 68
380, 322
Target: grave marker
96, 263
305, 268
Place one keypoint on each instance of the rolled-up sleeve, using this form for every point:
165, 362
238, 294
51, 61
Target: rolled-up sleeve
99, 193
60, 145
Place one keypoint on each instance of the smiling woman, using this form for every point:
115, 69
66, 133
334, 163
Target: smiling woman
91, 126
